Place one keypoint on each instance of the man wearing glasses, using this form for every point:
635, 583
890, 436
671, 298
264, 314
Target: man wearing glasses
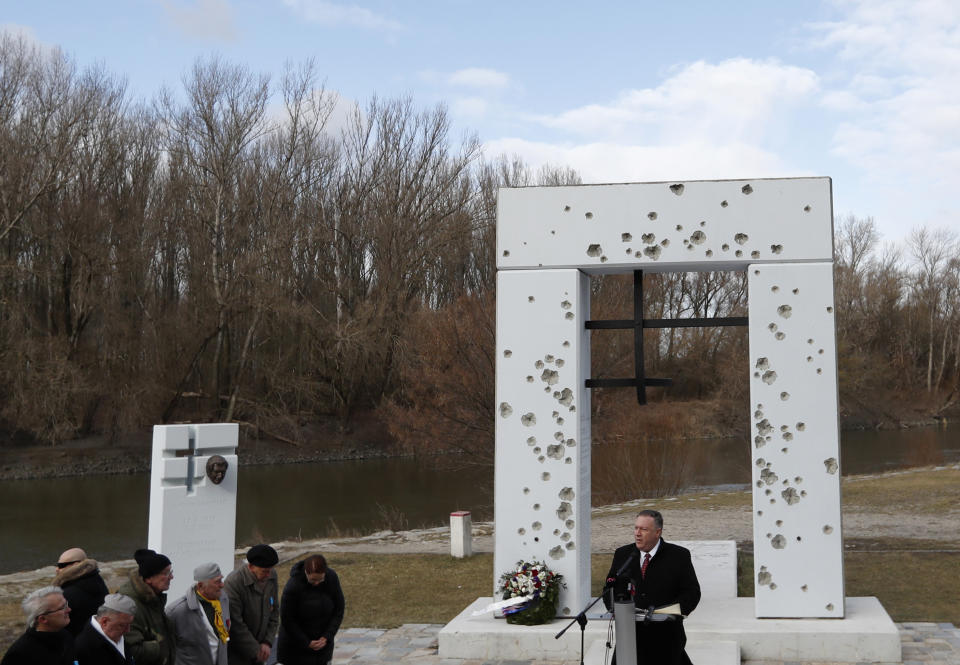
151, 639
46, 641
84, 589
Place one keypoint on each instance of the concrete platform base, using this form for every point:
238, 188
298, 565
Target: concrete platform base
719, 631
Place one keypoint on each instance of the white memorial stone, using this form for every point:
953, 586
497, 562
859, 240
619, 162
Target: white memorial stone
192, 518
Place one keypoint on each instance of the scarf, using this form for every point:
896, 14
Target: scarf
218, 624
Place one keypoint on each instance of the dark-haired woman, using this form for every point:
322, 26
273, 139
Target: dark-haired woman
311, 611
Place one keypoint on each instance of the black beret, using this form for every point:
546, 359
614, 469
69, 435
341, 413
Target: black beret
263, 556
150, 562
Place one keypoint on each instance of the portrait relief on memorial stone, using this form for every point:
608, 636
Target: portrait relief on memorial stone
217, 469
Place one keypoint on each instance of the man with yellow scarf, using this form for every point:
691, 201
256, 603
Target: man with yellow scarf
201, 619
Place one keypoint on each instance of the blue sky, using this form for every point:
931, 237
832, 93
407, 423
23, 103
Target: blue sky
864, 91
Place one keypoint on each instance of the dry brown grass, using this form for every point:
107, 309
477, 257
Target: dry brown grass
927, 491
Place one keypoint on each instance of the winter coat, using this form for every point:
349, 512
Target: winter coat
94, 649
194, 631
255, 614
151, 640
84, 589
41, 648
308, 613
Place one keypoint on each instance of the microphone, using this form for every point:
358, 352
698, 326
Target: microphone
626, 564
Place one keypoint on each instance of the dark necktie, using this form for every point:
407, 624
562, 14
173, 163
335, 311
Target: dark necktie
646, 562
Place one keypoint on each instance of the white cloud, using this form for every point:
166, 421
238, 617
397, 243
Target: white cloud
731, 101
332, 14
470, 107
478, 77
203, 19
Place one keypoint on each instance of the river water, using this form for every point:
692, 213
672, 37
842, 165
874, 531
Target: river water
107, 514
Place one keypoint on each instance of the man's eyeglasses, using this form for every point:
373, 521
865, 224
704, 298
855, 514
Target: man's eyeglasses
59, 609
64, 564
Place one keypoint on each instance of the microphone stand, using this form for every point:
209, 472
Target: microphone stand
582, 620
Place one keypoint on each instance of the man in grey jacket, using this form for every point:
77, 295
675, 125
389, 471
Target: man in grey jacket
201, 619
252, 589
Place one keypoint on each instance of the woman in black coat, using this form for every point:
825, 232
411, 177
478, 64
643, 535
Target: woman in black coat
311, 610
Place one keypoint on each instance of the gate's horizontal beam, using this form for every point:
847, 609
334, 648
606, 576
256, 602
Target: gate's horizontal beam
625, 383
630, 324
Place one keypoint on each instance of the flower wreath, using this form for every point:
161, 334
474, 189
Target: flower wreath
537, 589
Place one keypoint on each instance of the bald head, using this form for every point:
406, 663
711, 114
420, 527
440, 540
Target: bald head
72, 555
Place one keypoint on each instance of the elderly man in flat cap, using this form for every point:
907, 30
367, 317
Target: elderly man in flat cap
252, 589
101, 640
151, 639
84, 589
201, 619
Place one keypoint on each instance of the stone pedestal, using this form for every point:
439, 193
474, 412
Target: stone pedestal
461, 534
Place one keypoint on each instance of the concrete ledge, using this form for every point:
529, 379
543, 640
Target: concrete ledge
867, 634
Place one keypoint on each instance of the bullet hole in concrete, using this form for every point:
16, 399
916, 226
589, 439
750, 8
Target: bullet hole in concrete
568, 316
725, 247
648, 238
708, 253
756, 375
626, 237
819, 371
786, 482
536, 450
566, 397
506, 252
759, 441
763, 363
566, 344
778, 542
796, 291
556, 532
536, 506
773, 500
798, 480
780, 336
768, 476
760, 513
827, 529
759, 405
558, 436
571, 443
784, 396
809, 359
567, 494
807, 208
786, 311
820, 351
831, 464
676, 189
541, 459
507, 353
772, 327
769, 377
550, 376
554, 414
679, 227
757, 415
564, 511
555, 451
569, 524
803, 492
784, 428
546, 389
545, 475
565, 537
566, 208
738, 253
775, 288
724, 204
764, 427
773, 586
801, 427
560, 362
767, 492
804, 588
566, 304
594, 251
741, 238
754, 254
537, 539
764, 577
790, 496
698, 237
560, 421
531, 440
651, 216
787, 436
521, 531
747, 189
776, 249
629, 251
784, 450
779, 523
603, 259
829, 310
588, 215
526, 490
505, 410
557, 552
665, 242
531, 299
536, 526
528, 419
652, 252
568, 460
829, 607
538, 364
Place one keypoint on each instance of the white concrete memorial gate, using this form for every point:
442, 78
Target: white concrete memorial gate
193, 520
781, 232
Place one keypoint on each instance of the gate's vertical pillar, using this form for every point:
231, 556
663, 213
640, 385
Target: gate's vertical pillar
542, 472
798, 548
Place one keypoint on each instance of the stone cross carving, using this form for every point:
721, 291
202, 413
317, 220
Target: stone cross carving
193, 512
780, 231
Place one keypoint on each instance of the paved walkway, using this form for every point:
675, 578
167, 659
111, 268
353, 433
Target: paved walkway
923, 644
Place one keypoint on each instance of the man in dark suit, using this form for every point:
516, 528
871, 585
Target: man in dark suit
661, 574
101, 640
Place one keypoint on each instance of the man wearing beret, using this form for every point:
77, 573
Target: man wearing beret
101, 641
201, 619
255, 612
151, 639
